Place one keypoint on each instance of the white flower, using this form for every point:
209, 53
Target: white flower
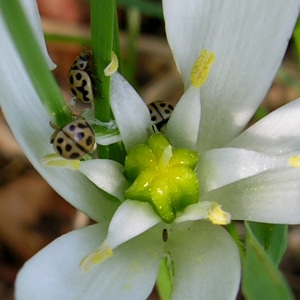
250, 174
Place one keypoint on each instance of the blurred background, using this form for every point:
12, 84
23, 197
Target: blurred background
31, 213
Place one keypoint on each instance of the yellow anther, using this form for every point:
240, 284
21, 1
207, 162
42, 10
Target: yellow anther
294, 161
201, 68
218, 216
55, 160
96, 257
112, 66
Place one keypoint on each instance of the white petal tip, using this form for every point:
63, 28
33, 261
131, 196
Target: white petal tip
51, 64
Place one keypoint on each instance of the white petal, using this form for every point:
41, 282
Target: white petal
249, 39
183, 126
270, 197
29, 122
32, 13
130, 220
193, 212
54, 272
277, 133
108, 139
219, 167
107, 175
206, 262
131, 113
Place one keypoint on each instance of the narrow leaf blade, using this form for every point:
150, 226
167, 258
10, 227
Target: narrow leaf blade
261, 278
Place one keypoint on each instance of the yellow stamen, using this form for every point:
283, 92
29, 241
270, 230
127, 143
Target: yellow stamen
218, 216
294, 161
96, 257
55, 160
112, 66
201, 68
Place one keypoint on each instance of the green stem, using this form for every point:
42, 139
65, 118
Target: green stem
146, 7
232, 229
102, 26
102, 23
35, 62
116, 43
105, 39
134, 25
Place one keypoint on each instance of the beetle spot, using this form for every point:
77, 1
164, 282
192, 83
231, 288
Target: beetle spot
84, 83
74, 155
78, 76
82, 125
72, 127
79, 136
68, 147
89, 140
59, 149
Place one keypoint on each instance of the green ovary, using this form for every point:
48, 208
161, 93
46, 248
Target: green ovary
162, 176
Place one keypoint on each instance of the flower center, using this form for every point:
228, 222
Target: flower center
162, 176
201, 68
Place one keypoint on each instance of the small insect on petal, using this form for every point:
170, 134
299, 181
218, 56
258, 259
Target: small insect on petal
165, 234
80, 77
160, 113
74, 140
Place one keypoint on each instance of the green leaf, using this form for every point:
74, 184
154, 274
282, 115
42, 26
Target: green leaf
260, 113
296, 37
261, 278
272, 237
35, 62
